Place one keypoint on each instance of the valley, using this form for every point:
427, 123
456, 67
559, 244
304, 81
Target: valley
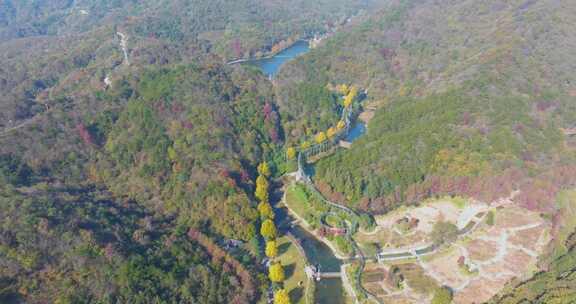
287, 152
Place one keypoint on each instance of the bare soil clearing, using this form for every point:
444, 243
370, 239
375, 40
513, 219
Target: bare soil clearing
475, 267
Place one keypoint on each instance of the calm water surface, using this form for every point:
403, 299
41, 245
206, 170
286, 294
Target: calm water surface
271, 66
358, 129
328, 291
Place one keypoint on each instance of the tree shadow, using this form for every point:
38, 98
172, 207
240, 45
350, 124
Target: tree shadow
296, 294
283, 248
289, 270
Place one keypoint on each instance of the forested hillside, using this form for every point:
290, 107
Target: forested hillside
50, 45
234, 28
176, 143
467, 93
128, 148
473, 99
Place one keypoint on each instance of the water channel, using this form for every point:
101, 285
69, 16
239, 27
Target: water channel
328, 291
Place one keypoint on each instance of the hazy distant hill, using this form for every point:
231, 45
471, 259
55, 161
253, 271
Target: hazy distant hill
465, 90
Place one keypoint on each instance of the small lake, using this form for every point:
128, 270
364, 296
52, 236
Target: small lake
271, 66
357, 130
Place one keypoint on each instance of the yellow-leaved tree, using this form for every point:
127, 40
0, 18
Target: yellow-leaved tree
264, 169
261, 189
351, 96
265, 210
320, 137
281, 297
271, 249
268, 229
343, 89
290, 153
305, 145
331, 132
276, 273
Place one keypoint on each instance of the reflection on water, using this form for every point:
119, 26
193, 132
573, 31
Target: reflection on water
316, 251
270, 66
328, 291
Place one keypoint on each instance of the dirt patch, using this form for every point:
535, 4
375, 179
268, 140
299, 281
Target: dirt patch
481, 250
447, 269
374, 279
374, 276
528, 238
375, 289
366, 116
480, 263
515, 217
478, 291
417, 279
397, 299
517, 261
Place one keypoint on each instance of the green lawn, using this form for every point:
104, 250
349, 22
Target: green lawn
293, 264
297, 200
300, 201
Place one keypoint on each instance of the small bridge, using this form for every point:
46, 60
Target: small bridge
313, 272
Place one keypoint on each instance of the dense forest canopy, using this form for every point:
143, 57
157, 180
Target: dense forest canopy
129, 148
458, 101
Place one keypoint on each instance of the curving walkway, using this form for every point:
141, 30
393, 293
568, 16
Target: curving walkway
429, 248
124, 46
302, 176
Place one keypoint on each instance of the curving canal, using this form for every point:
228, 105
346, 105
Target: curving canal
327, 291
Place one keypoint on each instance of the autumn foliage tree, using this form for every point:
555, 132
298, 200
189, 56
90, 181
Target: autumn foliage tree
84, 134
264, 169
271, 249
276, 273
220, 256
281, 297
349, 99
343, 89
331, 132
268, 229
290, 153
265, 210
261, 192
320, 137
